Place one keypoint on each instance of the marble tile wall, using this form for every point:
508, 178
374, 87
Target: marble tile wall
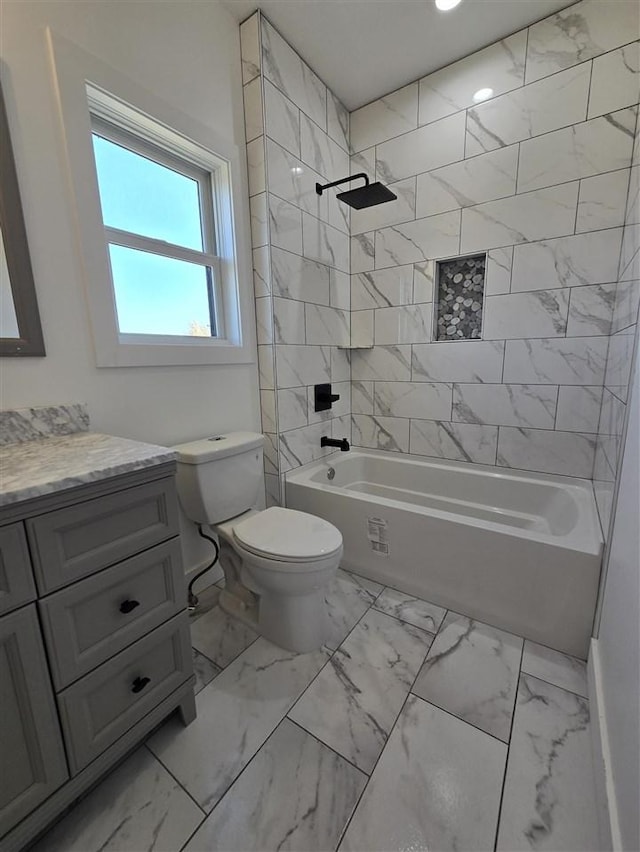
537, 176
297, 134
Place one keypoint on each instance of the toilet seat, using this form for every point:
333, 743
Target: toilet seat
286, 535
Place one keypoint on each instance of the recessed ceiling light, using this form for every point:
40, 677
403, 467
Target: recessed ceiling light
446, 5
482, 94
297, 170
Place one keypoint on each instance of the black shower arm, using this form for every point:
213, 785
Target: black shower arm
320, 189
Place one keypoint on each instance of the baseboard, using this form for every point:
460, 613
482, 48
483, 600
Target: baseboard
610, 838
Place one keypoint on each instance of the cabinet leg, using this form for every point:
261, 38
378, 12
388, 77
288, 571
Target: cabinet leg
187, 708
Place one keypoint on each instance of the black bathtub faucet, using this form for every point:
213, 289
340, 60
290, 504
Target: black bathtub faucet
340, 443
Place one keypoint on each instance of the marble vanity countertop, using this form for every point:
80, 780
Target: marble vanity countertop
48, 465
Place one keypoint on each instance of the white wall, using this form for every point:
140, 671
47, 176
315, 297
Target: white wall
188, 54
619, 639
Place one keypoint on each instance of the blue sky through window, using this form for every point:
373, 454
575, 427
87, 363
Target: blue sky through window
154, 294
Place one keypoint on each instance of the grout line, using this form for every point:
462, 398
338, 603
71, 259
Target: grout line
326, 745
177, 780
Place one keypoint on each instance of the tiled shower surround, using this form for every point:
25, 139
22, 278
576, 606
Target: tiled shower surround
537, 177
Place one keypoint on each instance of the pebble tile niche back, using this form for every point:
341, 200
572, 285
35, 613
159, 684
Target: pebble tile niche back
460, 298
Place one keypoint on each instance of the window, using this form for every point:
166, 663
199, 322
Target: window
158, 199
157, 211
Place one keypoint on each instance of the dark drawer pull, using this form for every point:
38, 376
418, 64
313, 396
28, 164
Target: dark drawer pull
139, 684
127, 606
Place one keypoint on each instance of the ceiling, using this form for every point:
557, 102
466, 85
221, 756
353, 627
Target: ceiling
363, 49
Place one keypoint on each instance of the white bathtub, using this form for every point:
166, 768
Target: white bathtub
517, 550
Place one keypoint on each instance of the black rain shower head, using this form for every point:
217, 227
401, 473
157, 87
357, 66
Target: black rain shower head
364, 196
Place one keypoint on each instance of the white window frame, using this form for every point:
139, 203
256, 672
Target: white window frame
88, 89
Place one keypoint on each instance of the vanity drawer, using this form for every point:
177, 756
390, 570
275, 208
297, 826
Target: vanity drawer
79, 540
16, 579
90, 621
103, 705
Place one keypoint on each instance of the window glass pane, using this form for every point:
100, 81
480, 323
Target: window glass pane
159, 295
144, 197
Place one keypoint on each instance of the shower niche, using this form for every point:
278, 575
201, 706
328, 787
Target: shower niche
460, 297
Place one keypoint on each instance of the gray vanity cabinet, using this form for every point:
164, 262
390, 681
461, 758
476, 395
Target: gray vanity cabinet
16, 580
33, 761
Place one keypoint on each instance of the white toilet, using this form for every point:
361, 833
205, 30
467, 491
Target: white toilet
277, 562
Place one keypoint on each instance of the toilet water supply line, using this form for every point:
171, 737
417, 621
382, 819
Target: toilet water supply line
191, 596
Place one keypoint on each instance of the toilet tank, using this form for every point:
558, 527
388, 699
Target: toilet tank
219, 477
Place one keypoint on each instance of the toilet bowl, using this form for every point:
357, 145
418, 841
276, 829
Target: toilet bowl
277, 562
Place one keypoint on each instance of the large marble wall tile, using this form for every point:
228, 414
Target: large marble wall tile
264, 320
364, 161
407, 324
421, 150
271, 459
301, 446
630, 254
568, 453
549, 789
337, 121
382, 288
327, 326
28, 424
578, 361
250, 48
319, 151
599, 145
137, 806
282, 119
295, 277
472, 671
555, 668
524, 218
268, 410
391, 213
423, 239
414, 611
619, 363
459, 361
362, 397
236, 714
302, 365
405, 805
285, 225
505, 405
423, 281
632, 213
317, 791
362, 252
380, 120
625, 310
362, 329
498, 271
567, 262
456, 441
499, 66
542, 313
591, 310
255, 166
352, 705
261, 271
292, 408
340, 365
469, 182
380, 433
529, 112
382, 363
602, 199
290, 180
266, 367
578, 409
259, 225
288, 321
615, 80
424, 400
253, 125
325, 243
581, 32
284, 68
339, 290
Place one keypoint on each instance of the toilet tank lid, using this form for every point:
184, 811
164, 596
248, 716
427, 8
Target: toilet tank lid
217, 447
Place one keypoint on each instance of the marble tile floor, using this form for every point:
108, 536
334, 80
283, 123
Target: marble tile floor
414, 728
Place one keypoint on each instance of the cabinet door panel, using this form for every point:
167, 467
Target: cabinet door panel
16, 580
31, 751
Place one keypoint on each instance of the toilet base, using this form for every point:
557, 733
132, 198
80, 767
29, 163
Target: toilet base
298, 623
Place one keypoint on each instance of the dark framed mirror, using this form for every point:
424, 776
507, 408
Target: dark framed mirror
20, 329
